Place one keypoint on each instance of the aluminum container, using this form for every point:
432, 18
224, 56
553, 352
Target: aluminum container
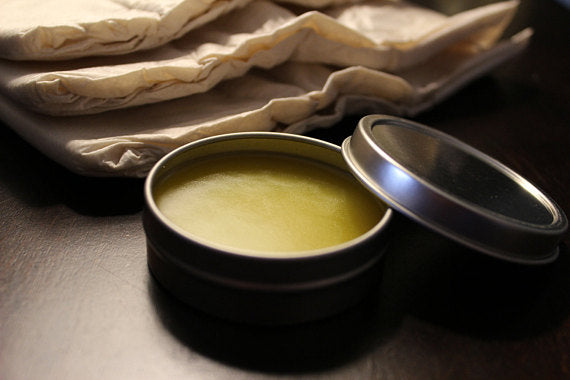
421, 173
242, 286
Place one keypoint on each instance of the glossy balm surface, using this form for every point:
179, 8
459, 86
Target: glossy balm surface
267, 205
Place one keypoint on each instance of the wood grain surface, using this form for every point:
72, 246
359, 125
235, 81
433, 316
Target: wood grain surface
77, 300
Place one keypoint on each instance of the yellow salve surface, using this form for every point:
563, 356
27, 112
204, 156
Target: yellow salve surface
274, 205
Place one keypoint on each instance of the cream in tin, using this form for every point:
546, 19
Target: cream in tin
263, 227
269, 205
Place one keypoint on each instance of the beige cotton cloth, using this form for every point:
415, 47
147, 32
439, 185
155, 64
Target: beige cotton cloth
259, 67
382, 35
64, 29
292, 97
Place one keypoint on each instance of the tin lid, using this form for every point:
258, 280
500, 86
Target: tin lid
454, 189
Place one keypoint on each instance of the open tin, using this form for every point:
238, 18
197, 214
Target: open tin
250, 285
428, 176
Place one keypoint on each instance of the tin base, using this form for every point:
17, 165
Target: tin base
262, 306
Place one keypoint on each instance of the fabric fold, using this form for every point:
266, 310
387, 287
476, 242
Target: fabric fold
66, 29
292, 97
382, 35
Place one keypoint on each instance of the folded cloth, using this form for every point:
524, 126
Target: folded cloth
292, 97
64, 29
382, 35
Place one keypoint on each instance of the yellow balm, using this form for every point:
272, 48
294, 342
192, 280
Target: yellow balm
274, 206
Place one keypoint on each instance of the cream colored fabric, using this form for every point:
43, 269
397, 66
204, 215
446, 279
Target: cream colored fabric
293, 97
382, 35
63, 29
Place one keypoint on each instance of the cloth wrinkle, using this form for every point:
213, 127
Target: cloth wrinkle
223, 66
264, 45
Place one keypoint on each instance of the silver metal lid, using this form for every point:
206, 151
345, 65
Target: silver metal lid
454, 189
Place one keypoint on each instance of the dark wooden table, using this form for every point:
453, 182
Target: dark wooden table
77, 300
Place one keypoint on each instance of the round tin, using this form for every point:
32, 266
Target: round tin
243, 286
424, 174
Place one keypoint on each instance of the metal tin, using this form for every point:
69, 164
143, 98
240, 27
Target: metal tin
455, 190
420, 172
228, 283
